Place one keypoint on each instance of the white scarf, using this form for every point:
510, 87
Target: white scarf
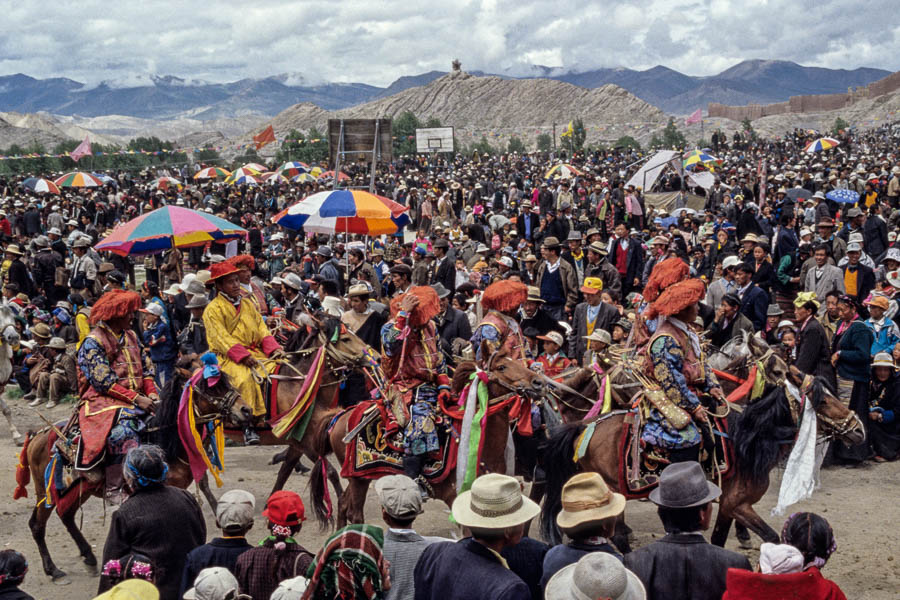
553, 267
801, 474
680, 325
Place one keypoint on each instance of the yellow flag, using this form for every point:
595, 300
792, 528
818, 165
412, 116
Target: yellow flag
570, 129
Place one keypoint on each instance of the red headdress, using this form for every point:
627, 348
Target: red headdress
504, 295
114, 304
676, 298
221, 269
428, 308
243, 261
664, 274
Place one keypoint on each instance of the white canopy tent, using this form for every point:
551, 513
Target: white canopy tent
650, 171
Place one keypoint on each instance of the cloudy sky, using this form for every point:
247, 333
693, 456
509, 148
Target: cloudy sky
375, 42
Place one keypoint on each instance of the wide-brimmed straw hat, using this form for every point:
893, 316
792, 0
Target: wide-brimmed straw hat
884, 359
494, 502
586, 498
596, 575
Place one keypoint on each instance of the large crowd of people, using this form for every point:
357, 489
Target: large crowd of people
558, 272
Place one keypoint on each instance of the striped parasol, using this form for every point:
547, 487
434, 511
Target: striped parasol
562, 170
164, 183
168, 227
41, 185
78, 179
304, 178
344, 211
292, 168
242, 175
823, 143
701, 159
212, 173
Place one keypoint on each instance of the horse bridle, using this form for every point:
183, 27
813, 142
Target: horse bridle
835, 428
224, 404
513, 390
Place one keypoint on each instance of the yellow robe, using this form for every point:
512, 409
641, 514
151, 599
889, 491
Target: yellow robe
231, 334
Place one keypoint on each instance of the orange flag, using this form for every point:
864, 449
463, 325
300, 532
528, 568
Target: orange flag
267, 136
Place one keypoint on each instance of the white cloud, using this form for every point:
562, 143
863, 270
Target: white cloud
376, 41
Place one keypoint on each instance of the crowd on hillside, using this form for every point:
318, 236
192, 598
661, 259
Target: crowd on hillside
816, 279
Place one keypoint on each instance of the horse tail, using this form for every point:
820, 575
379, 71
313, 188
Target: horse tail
557, 456
23, 471
321, 498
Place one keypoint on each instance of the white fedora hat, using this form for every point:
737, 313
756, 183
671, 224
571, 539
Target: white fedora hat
596, 575
494, 502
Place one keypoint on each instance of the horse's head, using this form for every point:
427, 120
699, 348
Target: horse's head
837, 420
508, 375
219, 401
342, 345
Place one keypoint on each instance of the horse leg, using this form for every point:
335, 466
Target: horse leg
203, 484
291, 457
84, 547
4, 407
743, 536
352, 502
721, 528
745, 515
38, 525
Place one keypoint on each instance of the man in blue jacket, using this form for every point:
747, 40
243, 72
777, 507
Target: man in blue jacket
495, 511
754, 301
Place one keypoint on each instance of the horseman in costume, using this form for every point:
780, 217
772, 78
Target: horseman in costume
415, 368
116, 393
262, 301
499, 328
240, 339
677, 363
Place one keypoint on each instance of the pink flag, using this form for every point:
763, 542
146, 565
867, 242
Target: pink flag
695, 117
83, 149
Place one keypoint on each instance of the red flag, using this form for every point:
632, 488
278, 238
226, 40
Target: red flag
83, 149
695, 117
267, 136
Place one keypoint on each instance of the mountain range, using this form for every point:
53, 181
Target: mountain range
169, 97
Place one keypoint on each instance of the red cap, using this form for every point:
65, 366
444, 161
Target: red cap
284, 508
221, 270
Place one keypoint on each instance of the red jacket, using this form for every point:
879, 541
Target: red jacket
808, 585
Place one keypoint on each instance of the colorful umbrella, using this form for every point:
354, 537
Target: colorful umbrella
255, 167
168, 227
238, 174
823, 143
242, 180
78, 179
304, 178
330, 175
292, 168
316, 171
212, 173
274, 177
164, 183
843, 196
39, 184
700, 158
562, 170
344, 211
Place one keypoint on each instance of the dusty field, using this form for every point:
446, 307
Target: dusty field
861, 504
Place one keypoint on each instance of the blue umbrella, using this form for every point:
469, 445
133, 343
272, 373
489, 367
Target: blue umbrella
843, 196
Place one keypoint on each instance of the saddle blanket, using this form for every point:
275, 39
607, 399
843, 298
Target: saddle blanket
638, 480
371, 455
63, 484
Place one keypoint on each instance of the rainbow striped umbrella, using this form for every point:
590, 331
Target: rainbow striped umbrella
212, 173
78, 179
700, 158
562, 170
292, 168
168, 227
823, 143
164, 183
344, 211
255, 167
273, 177
304, 178
241, 175
39, 184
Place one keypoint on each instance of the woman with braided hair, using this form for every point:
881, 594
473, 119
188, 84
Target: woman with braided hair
160, 522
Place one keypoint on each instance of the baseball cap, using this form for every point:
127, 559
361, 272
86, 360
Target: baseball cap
153, 309
235, 509
212, 583
285, 508
290, 589
399, 496
553, 336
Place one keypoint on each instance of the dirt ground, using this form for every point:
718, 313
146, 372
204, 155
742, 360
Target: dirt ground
861, 505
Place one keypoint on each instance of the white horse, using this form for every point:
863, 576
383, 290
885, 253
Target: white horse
9, 338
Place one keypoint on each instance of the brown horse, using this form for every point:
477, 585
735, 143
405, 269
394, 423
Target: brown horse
344, 351
211, 404
505, 376
761, 433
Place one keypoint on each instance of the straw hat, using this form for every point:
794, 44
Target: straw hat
494, 502
596, 575
883, 359
14, 249
586, 498
534, 294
